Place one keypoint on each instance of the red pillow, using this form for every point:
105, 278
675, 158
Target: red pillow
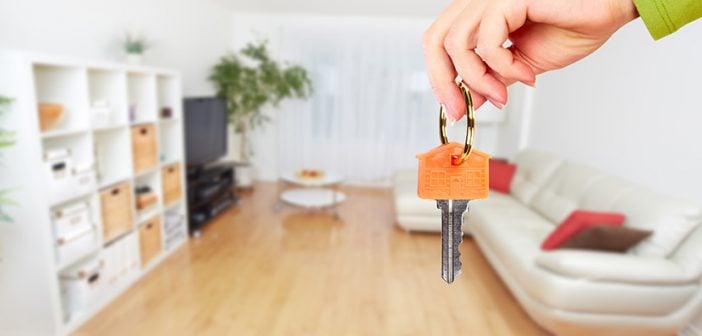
576, 222
501, 174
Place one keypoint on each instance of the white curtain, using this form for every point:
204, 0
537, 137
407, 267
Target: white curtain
372, 109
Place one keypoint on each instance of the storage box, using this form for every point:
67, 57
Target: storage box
146, 200
76, 234
144, 147
172, 190
174, 229
150, 240
117, 216
121, 259
65, 179
81, 287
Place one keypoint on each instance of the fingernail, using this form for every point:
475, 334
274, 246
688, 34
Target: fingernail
496, 104
451, 119
532, 83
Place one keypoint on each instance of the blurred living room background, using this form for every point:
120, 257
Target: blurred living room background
310, 224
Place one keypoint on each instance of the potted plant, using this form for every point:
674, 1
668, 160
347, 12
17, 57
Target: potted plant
135, 46
6, 140
250, 80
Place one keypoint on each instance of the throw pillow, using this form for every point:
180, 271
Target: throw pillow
577, 221
603, 237
501, 174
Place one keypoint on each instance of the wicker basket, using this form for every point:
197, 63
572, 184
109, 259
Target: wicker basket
50, 115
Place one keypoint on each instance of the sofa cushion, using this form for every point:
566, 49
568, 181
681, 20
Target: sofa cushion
533, 170
562, 193
606, 238
670, 220
576, 222
501, 174
607, 266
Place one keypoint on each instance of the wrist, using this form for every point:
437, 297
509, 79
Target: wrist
626, 9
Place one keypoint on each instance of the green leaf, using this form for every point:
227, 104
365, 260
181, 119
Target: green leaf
251, 79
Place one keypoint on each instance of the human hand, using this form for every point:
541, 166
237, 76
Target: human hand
467, 40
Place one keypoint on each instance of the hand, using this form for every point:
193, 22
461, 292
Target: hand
467, 40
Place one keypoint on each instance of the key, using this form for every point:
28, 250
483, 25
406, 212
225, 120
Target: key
452, 186
453, 174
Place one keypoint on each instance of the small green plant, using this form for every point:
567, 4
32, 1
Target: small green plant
250, 80
134, 44
7, 139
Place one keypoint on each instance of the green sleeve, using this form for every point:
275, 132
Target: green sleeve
664, 17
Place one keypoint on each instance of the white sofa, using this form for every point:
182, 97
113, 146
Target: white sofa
652, 290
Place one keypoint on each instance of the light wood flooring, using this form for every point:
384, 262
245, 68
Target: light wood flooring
258, 272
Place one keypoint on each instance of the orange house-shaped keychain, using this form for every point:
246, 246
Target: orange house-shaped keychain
439, 178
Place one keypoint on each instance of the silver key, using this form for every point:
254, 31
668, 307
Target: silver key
451, 236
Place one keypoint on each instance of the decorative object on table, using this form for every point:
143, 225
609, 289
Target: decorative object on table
166, 112
250, 80
50, 114
310, 174
135, 46
100, 111
7, 139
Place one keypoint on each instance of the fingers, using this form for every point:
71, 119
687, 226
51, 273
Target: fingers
460, 45
442, 73
494, 31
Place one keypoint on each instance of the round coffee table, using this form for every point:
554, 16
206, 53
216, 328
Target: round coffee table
307, 193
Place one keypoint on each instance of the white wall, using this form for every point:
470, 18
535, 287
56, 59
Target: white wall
188, 35
500, 139
633, 109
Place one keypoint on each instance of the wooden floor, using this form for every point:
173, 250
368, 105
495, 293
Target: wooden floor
258, 272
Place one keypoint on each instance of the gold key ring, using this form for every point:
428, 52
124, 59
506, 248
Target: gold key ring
470, 131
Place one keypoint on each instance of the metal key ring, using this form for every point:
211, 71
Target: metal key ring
470, 129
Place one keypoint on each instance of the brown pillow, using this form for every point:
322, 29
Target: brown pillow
607, 238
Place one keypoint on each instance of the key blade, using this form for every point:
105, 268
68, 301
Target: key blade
458, 209
451, 237
446, 240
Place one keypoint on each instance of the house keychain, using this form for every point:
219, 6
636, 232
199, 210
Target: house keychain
453, 174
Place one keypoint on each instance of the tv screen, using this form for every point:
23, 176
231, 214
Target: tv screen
205, 130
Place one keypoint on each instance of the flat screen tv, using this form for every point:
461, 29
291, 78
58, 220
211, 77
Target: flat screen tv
205, 130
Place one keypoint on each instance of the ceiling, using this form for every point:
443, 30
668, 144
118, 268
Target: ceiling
396, 8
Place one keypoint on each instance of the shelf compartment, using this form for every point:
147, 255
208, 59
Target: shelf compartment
108, 98
67, 87
171, 142
141, 98
174, 226
150, 240
152, 182
144, 147
75, 230
169, 103
121, 259
69, 166
81, 288
172, 183
113, 153
117, 210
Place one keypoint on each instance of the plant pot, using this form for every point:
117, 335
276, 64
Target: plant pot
135, 59
244, 175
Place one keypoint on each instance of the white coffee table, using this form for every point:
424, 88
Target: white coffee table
319, 193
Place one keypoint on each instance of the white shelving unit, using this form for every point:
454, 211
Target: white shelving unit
79, 172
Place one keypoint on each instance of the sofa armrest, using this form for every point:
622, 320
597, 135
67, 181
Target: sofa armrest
614, 267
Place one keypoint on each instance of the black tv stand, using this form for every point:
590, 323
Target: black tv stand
209, 193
